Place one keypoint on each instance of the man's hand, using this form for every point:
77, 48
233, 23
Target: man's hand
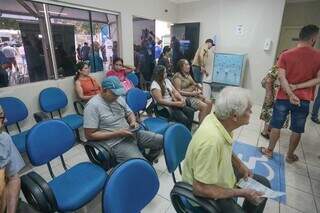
252, 195
294, 99
125, 133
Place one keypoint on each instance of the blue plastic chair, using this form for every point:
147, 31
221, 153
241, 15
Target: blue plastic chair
133, 78
72, 189
15, 111
131, 186
175, 144
176, 141
137, 101
53, 99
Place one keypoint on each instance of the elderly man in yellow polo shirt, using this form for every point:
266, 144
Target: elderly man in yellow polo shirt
210, 165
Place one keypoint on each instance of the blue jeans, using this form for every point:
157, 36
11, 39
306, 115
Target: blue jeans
316, 106
197, 74
299, 115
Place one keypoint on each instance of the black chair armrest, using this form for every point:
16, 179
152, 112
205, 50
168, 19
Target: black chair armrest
77, 105
100, 154
166, 112
182, 189
38, 193
40, 116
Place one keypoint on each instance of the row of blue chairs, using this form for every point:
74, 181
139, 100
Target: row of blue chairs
81, 183
129, 187
51, 100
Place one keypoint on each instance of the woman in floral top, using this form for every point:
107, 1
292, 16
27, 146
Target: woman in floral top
271, 85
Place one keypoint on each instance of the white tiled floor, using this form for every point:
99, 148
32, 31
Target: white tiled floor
302, 177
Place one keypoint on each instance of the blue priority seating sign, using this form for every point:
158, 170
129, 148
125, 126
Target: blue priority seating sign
273, 169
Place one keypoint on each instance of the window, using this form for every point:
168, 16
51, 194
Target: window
23, 57
76, 35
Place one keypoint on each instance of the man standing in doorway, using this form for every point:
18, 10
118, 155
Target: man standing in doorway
297, 66
200, 61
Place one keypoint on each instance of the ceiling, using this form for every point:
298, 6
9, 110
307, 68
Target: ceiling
183, 1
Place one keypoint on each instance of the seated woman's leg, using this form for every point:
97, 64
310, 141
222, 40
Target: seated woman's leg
251, 208
179, 116
189, 113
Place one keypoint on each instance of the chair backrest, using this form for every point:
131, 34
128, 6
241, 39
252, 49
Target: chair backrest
48, 140
136, 99
52, 99
14, 109
131, 186
133, 78
176, 140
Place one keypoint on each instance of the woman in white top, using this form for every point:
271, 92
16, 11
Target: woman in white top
166, 95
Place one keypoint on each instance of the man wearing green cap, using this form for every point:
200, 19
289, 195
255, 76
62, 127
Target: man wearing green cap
108, 118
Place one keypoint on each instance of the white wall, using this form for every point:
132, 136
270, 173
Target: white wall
261, 20
29, 94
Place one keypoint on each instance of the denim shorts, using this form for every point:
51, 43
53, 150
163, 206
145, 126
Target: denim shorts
197, 74
299, 115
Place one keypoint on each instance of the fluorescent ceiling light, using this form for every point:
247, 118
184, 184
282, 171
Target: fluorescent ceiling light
19, 17
56, 13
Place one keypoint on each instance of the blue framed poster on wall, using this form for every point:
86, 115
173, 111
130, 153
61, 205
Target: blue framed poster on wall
228, 69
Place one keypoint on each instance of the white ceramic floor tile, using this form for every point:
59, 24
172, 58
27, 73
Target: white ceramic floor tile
317, 202
249, 137
287, 209
316, 187
161, 165
299, 182
166, 185
314, 172
298, 167
271, 207
158, 204
299, 200
312, 158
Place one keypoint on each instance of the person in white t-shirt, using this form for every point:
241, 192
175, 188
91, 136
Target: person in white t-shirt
168, 98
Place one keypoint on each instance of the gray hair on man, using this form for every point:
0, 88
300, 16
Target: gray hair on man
230, 101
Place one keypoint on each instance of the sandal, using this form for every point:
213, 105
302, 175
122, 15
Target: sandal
266, 136
267, 152
292, 159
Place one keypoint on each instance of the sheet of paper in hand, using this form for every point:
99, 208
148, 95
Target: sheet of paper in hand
255, 185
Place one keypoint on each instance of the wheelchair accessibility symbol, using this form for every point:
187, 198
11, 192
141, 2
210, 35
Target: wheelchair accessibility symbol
272, 169
251, 164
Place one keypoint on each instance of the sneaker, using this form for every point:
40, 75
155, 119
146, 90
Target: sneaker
316, 120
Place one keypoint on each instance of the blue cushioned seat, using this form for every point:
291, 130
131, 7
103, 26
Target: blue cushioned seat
131, 186
15, 111
77, 186
20, 140
157, 125
74, 121
54, 99
137, 101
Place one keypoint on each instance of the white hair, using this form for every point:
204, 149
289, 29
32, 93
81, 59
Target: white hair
230, 101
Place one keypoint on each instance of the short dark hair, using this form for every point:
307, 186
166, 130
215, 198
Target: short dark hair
117, 59
308, 31
210, 41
